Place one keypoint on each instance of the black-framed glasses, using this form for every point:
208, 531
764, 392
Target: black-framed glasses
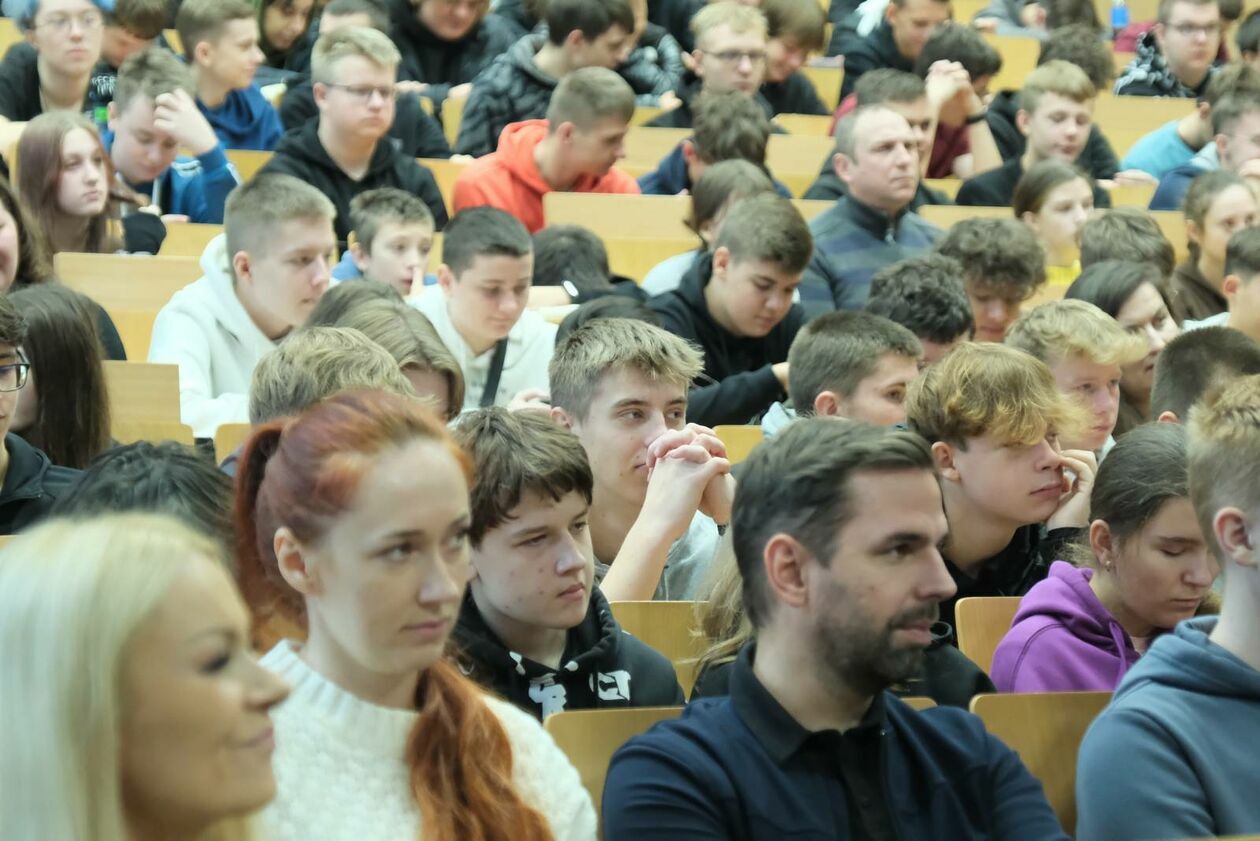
13, 374
363, 93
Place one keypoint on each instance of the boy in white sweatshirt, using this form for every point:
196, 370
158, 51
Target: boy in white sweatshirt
478, 308
262, 278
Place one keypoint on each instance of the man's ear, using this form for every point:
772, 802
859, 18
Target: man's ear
1232, 531
841, 163
827, 404
357, 254
1230, 285
1168, 417
574, 39
242, 267
562, 417
689, 152
445, 277
320, 91
697, 60
784, 561
943, 456
1022, 120
295, 564
721, 260
202, 53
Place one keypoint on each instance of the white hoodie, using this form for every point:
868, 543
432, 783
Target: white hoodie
530, 345
207, 333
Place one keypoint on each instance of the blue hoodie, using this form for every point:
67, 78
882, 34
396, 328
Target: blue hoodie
194, 187
670, 177
245, 120
1173, 755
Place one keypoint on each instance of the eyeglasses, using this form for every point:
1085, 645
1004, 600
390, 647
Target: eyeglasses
88, 21
1189, 30
13, 374
754, 57
363, 93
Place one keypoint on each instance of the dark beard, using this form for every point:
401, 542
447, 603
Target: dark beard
865, 658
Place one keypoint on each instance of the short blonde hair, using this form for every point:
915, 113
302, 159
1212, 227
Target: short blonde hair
982, 388
739, 17
362, 41
314, 364
72, 596
1058, 77
1072, 329
1224, 452
606, 345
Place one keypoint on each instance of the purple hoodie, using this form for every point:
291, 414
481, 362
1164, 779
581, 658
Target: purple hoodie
1062, 639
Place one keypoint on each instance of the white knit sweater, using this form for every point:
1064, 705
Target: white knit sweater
341, 773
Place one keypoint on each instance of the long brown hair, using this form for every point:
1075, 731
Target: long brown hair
39, 172
72, 423
34, 265
302, 473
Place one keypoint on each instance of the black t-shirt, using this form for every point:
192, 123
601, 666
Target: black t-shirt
20, 98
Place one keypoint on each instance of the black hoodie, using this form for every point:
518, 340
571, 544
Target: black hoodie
946, 676
299, 153
1097, 157
31, 485
737, 382
602, 666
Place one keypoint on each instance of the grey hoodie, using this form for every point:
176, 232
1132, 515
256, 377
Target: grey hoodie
1174, 754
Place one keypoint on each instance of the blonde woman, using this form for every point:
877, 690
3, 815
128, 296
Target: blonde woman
133, 707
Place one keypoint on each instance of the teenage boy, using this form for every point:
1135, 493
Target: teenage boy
478, 308
1235, 129
1003, 266
1084, 348
877, 157
29, 482
1196, 363
519, 84
1163, 759
418, 134
1242, 266
993, 416
446, 45
263, 276
795, 29
836, 531
154, 116
1175, 57
346, 151
534, 627
895, 43
736, 306
55, 74
390, 242
926, 296
662, 486
725, 126
132, 26
730, 55
574, 150
1056, 110
1126, 233
849, 365
220, 39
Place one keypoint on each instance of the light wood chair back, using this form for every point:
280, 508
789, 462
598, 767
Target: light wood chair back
589, 738
9, 35
228, 437
452, 116
945, 216
740, 440
948, 186
918, 702
1045, 729
444, 172
827, 80
130, 431
187, 239
143, 391
806, 125
981, 624
1019, 57
667, 627
630, 217
248, 162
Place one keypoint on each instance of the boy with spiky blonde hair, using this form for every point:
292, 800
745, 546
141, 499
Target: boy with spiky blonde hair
1013, 495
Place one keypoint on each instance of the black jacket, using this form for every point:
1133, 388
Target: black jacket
602, 666
1097, 158
996, 187
19, 87
675, 16
794, 95
510, 90
828, 187
877, 50
946, 676
515, 15
1013, 571
299, 153
443, 64
31, 485
418, 134
737, 382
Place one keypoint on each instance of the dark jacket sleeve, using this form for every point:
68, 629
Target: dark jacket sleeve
805, 99
654, 790
425, 134
485, 116
973, 193
1171, 192
1099, 159
856, 62
297, 107
737, 399
424, 185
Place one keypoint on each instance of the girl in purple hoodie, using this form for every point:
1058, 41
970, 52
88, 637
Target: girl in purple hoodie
1145, 568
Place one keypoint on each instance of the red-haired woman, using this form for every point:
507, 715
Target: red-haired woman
352, 520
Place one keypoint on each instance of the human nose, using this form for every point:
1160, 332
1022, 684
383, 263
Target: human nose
571, 555
937, 584
439, 584
266, 688
1154, 340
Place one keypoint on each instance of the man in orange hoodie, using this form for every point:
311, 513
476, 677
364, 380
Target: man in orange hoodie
574, 150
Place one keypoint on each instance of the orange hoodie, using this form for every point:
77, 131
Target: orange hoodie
509, 179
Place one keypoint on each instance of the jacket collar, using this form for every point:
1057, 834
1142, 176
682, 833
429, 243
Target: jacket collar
876, 222
24, 478
779, 733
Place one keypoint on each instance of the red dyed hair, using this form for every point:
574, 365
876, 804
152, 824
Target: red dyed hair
303, 473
